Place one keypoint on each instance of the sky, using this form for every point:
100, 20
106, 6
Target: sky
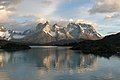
105, 13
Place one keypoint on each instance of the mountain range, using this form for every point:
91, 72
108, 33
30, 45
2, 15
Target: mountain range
56, 34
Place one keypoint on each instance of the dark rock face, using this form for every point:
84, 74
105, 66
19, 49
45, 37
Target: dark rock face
109, 44
8, 45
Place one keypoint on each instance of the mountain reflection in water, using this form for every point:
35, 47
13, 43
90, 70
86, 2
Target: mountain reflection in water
46, 64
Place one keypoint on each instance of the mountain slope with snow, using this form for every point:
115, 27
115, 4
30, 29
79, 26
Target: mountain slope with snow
4, 34
56, 33
46, 33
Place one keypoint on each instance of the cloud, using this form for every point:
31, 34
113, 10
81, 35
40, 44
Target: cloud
36, 8
4, 15
105, 6
112, 16
8, 5
39, 8
7, 8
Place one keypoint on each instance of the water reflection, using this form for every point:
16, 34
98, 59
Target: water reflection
45, 64
35, 62
4, 58
49, 59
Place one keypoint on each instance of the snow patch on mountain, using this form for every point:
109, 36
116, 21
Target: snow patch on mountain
56, 31
4, 34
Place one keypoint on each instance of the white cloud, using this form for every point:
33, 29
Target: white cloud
112, 16
33, 8
7, 8
9, 5
38, 8
4, 15
105, 6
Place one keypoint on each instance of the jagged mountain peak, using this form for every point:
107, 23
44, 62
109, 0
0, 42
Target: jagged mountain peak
47, 32
72, 30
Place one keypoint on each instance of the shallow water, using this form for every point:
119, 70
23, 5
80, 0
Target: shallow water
56, 63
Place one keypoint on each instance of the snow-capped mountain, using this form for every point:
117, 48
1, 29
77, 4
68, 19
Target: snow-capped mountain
40, 35
46, 33
10, 34
4, 34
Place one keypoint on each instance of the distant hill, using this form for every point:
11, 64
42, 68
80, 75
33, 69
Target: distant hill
9, 45
109, 44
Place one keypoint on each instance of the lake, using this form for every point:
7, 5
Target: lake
57, 63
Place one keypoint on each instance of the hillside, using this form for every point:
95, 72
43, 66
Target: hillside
9, 45
109, 44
